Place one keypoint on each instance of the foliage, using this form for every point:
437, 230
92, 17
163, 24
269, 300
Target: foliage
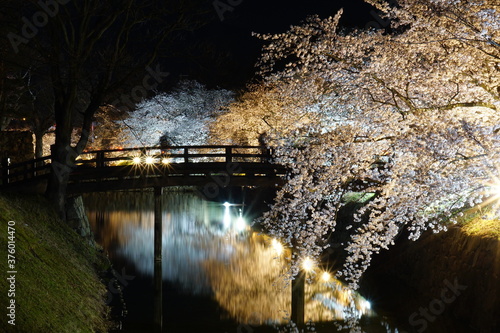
180, 117
261, 111
409, 114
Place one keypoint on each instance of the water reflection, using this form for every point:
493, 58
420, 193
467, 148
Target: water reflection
208, 250
255, 287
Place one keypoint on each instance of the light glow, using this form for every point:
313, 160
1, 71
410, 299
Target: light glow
365, 306
136, 160
150, 160
307, 264
165, 161
326, 276
227, 216
277, 246
240, 224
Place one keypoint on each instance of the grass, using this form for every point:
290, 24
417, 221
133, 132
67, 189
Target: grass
57, 287
476, 222
483, 227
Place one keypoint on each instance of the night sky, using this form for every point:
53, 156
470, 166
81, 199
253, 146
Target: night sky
225, 53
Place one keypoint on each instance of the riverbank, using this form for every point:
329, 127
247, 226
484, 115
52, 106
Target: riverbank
441, 280
56, 287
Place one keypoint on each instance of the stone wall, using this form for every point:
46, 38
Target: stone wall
16, 145
77, 219
446, 282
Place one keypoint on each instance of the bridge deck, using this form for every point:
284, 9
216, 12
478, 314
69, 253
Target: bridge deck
148, 167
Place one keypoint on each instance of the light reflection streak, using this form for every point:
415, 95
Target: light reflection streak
245, 273
254, 287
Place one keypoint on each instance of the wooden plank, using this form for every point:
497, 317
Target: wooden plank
142, 183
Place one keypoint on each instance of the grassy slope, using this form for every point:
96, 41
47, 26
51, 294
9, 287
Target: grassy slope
57, 289
478, 222
482, 227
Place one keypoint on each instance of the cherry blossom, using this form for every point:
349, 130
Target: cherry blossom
408, 115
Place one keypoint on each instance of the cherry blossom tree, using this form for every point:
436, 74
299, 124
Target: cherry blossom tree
410, 115
263, 110
180, 117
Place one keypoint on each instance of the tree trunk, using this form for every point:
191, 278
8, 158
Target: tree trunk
61, 167
38, 144
63, 162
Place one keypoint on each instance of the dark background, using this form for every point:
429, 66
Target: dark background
223, 53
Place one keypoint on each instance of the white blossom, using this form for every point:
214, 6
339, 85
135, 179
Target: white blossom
180, 117
410, 115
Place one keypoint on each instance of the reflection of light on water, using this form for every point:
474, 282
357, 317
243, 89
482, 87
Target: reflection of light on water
184, 251
307, 264
232, 223
240, 224
227, 216
336, 298
204, 253
277, 246
194, 231
254, 289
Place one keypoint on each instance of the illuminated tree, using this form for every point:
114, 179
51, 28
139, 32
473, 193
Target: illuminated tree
262, 111
411, 118
85, 52
180, 117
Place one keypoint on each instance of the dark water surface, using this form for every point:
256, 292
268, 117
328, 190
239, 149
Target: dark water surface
218, 274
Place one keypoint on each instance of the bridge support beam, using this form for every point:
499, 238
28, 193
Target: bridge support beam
158, 278
298, 298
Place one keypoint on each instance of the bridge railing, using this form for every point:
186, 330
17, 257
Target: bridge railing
36, 168
15, 172
173, 154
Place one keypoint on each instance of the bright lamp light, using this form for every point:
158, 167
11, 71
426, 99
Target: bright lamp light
277, 246
307, 264
240, 224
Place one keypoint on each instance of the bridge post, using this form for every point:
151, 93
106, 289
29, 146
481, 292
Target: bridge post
186, 155
5, 170
229, 154
99, 159
298, 298
158, 278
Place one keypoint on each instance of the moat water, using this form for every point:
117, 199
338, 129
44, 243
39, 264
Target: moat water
218, 274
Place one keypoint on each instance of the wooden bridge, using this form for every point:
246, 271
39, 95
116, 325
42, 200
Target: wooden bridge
157, 167
148, 167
